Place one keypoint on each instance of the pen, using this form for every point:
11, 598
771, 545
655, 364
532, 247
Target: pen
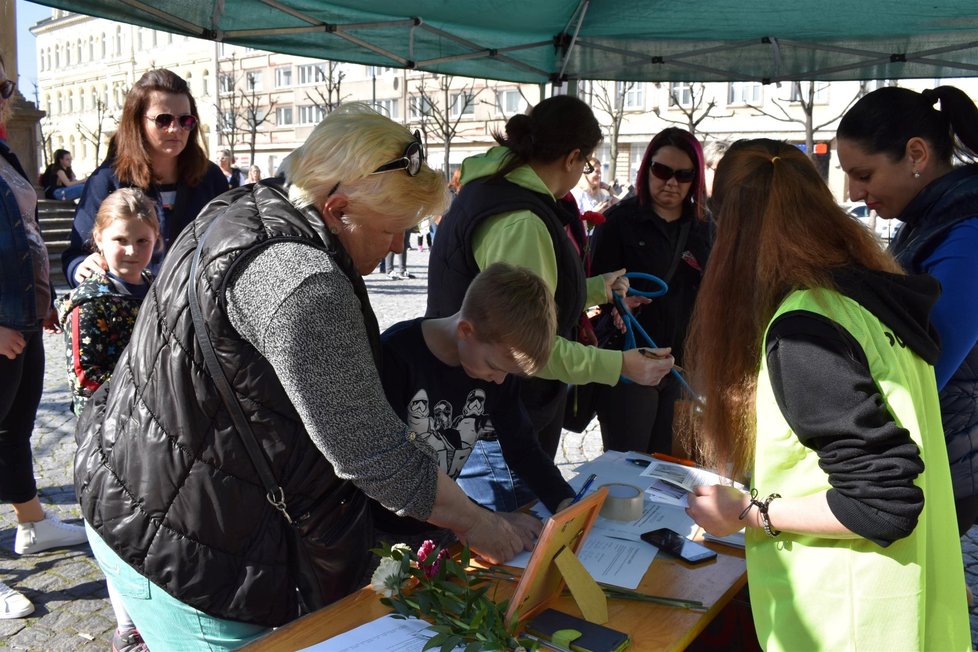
587, 485
674, 460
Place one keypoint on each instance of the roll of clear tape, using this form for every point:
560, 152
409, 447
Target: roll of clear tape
624, 502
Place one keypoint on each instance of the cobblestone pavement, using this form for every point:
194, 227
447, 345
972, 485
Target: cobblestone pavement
67, 588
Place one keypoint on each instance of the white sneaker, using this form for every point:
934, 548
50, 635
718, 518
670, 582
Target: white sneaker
50, 533
394, 275
13, 604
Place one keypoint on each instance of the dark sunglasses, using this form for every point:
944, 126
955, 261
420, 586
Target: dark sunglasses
410, 161
588, 168
164, 120
7, 87
664, 172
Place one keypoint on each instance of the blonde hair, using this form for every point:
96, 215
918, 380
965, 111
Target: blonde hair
127, 204
344, 149
512, 306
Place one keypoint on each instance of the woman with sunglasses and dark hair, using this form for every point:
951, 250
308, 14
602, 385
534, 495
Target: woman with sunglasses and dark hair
662, 231
507, 210
177, 508
158, 148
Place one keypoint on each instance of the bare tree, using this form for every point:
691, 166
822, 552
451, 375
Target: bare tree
256, 112
46, 120
94, 133
328, 96
690, 100
229, 117
444, 105
609, 98
803, 95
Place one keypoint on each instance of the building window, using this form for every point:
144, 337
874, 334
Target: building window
744, 93
463, 104
228, 121
799, 92
283, 116
634, 93
78, 51
226, 82
389, 107
283, 77
310, 114
510, 102
419, 107
254, 80
376, 71
681, 94
312, 73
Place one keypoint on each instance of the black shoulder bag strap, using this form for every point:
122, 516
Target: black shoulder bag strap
307, 588
273, 491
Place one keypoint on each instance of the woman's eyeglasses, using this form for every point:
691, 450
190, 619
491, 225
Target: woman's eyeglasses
164, 120
7, 87
410, 161
664, 172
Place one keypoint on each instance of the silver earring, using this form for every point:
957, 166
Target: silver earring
916, 175
335, 230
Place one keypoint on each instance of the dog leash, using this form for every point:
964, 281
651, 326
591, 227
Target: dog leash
632, 326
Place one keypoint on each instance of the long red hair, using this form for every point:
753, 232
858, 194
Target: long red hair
778, 229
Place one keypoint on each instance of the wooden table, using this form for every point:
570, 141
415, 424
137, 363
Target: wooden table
651, 626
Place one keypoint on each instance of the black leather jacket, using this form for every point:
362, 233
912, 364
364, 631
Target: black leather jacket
162, 475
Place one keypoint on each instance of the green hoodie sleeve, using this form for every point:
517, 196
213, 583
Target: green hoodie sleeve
521, 238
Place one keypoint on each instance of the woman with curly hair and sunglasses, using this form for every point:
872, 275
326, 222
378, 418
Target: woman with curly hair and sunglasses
159, 149
663, 231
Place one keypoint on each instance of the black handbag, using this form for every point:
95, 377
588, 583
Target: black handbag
309, 595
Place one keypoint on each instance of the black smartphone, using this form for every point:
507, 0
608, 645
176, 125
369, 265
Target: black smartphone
677, 545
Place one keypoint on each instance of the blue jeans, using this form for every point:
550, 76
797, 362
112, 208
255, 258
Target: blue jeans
69, 193
164, 622
489, 481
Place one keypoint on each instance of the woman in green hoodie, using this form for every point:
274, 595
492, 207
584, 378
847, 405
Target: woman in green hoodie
508, 210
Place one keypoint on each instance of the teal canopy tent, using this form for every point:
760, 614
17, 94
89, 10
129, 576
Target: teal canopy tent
550, 41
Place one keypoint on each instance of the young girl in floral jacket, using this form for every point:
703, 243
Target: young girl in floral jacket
98, 315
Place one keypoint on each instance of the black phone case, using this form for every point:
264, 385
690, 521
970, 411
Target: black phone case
593, 638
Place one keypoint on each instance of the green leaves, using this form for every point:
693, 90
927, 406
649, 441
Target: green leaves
452, 597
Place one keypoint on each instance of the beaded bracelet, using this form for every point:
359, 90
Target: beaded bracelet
762, 507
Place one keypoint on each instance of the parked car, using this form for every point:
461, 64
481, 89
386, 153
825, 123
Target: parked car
883, 228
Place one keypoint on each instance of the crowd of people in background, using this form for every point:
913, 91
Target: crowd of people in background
835, 377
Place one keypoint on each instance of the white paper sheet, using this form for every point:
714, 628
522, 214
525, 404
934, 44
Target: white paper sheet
608, 560
385, 633
685, 477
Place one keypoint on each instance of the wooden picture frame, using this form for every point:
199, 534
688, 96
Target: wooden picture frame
542, 582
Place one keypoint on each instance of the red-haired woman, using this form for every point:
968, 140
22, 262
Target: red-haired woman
814, 352
662, 230
159, 149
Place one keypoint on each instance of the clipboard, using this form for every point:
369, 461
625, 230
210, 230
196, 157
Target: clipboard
554, 562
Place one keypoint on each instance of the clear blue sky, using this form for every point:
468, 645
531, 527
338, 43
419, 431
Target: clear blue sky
28, 13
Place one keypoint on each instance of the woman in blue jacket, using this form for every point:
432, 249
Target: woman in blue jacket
159, 149
899, 150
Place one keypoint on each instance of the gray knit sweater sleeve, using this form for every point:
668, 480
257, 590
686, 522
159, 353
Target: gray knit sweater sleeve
299, 311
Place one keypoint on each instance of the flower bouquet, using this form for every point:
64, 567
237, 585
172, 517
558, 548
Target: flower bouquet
452, 596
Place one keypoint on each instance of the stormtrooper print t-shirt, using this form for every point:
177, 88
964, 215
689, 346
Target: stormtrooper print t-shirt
450, 411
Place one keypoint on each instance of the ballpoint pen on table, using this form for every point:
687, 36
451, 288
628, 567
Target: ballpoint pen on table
583, 491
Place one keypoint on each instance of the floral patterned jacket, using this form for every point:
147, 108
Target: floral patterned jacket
97, 318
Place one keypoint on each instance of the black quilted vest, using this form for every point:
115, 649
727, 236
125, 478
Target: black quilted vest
161, 474
452, 265
927, 220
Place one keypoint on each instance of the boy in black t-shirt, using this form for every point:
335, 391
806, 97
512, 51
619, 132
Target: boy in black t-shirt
453, 382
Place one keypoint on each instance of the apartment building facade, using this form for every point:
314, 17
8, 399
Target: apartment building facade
261, 105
